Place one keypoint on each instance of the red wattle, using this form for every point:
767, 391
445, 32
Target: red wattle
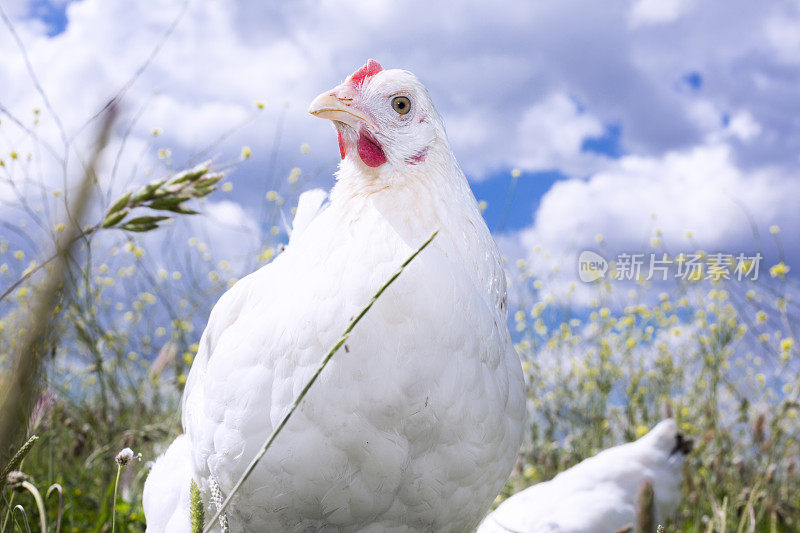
369, 150
342, 146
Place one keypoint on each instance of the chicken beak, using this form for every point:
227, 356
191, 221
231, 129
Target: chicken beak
334, 107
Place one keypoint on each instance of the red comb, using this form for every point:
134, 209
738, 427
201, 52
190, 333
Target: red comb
370, 69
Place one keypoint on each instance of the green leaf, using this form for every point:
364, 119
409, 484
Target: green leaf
115, 218
208, 181
139, 228
147, 220
167, 204
148, 191
119, 204
192, 174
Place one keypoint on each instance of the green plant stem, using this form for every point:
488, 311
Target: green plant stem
19, 384
27, 485
55, 487
8, 513
11, 288
114, 501
317, 372
21, 510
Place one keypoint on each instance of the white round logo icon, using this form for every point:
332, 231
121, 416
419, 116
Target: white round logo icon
591, 266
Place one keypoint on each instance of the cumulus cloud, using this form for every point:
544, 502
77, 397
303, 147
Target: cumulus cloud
523, 85
551, 135
646, 12
486, 67
679, 202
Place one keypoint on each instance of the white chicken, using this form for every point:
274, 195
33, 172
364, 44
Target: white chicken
416, 424
599, 495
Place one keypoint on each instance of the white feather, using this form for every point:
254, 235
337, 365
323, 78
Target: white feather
599, 494
166, 491
416, 424
308, 207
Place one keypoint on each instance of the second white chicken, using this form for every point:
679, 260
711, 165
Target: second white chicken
599, 495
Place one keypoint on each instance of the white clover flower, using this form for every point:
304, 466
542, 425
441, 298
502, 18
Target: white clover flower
126, 456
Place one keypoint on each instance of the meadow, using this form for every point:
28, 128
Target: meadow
718, 355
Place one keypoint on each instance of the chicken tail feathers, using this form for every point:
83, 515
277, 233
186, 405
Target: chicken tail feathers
166, 491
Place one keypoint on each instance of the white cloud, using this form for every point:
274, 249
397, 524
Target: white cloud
744, 126
551, 133
506, 80
692, 199
506, 61
646, 12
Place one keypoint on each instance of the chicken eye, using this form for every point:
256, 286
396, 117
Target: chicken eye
401, 104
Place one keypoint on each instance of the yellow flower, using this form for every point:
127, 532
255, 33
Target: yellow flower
260, 105
227, 186
19, 254
515, 173
294, 175
774, 229
272, 196
761, 317
246, 153
779, 270
305, 148
482, 205
266, 254
787, 344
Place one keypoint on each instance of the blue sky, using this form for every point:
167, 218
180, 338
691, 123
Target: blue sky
52, 14
625, 119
